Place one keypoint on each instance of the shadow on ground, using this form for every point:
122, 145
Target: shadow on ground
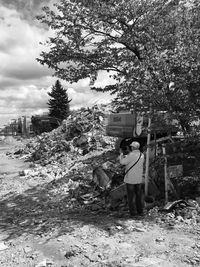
43, 210
36, 212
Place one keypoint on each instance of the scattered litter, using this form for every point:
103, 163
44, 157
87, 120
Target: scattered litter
160, 239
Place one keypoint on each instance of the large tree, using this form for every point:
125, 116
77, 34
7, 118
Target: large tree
59, 102
145, 45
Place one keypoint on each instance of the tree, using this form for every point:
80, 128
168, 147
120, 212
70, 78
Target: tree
145, 45
59, 102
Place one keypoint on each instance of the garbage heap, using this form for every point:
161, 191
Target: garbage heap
76, 159
178, 211
82, 133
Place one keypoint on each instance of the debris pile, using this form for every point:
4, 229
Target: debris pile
82, 133
77, 159
179, 211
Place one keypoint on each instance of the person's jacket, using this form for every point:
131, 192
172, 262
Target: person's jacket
135, 174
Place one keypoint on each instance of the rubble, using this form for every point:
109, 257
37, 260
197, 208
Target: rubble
76, 159
81, 133
185, 212
171, 205
45, 263
101, 179
78, 135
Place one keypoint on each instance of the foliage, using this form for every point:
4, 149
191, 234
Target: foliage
187, 186
183, 152
149, 47
59, 102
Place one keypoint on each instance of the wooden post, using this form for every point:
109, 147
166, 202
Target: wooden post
165, 173
155, 146
147, 154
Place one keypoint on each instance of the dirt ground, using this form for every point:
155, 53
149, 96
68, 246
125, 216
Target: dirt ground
38, 230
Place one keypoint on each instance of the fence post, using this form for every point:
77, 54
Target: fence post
165, 172
147, 153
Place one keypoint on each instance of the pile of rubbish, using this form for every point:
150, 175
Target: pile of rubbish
178, 211
81, 133
76, 159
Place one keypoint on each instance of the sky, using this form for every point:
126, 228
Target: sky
24, 83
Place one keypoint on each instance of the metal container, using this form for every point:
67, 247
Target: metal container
121, 119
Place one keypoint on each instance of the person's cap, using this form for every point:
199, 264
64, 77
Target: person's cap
135, 144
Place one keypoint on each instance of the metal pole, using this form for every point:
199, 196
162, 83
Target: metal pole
147, 154
165, 173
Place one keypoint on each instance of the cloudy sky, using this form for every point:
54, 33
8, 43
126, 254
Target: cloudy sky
24, 83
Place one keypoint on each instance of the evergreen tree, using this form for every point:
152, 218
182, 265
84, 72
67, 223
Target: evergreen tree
59, 102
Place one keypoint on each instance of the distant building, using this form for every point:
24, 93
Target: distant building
43, 123
26, 126
14, 126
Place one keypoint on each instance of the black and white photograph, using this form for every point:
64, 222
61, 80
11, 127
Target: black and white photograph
99, 133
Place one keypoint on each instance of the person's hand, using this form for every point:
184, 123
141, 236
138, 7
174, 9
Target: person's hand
120, 155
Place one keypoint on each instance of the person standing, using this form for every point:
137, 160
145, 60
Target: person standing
133, 160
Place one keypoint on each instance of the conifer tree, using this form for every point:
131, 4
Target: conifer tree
59, 102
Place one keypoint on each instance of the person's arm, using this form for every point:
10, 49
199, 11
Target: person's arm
124, 160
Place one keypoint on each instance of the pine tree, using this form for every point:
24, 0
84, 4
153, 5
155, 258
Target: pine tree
59, 102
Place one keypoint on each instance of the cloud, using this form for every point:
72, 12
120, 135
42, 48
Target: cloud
27, 9
87, 98
19, 47
26, 71
29, 97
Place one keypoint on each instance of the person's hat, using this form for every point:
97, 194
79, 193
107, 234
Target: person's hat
135, 144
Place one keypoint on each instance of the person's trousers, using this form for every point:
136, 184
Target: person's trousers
135, 195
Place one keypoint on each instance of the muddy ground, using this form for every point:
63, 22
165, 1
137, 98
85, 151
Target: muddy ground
37, 229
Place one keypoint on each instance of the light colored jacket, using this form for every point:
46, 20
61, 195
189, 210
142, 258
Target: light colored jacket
135, 174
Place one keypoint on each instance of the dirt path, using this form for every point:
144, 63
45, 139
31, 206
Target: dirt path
39, 229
